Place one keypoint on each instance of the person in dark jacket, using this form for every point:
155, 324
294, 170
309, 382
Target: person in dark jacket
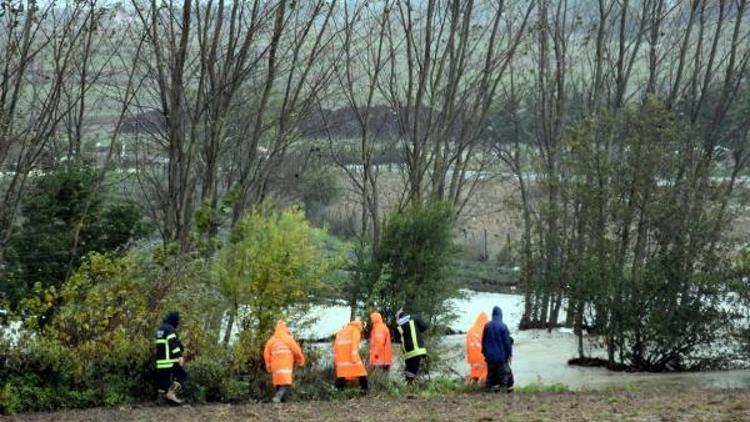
498, 351
409, 333
170, 362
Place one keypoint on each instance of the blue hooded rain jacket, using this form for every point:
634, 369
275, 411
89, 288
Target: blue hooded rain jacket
496, 345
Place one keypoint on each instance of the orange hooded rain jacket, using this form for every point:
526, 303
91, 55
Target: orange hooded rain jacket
281, 353
346, 352
474, 348
381, 353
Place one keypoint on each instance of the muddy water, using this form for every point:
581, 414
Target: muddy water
539, 357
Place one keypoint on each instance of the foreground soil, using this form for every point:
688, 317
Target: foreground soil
642, 405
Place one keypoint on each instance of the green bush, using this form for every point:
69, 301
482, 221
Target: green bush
213, 379
273, 262
95, 348
89, 341
414, 257
10, 399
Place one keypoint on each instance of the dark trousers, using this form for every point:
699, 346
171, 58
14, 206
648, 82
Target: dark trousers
498, 375
164, 376
341, 383
411, 367
282, 392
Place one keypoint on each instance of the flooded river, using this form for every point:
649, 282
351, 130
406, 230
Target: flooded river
538, 357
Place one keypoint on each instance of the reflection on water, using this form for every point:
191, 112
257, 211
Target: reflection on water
539, 357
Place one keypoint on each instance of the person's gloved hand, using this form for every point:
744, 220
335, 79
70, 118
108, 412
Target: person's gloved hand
181, 361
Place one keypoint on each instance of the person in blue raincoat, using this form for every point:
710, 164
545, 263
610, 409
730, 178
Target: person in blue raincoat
498, 351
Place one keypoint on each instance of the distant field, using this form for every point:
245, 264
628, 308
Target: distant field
495, 210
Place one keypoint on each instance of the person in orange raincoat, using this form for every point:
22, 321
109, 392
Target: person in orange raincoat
280, 354
381, 353
474, 356
346, 356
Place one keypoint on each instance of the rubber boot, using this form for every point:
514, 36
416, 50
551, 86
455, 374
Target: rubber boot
160, 400
364, 387
171, 395
279, 396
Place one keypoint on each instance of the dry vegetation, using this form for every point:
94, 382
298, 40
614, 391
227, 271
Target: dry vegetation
495, 208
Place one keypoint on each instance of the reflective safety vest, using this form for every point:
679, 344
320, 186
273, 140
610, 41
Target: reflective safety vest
410, 339
168, 347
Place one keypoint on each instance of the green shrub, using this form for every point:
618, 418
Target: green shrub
96, 347
414, 259
10, 399
212, 378
273, 262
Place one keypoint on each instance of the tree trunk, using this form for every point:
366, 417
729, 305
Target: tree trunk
230, 325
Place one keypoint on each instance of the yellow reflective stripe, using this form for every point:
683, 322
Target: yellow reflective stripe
413, 330
166, 363
417, 351
165, 342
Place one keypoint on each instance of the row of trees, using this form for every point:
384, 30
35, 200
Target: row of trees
622, 122
206, 99
629, 156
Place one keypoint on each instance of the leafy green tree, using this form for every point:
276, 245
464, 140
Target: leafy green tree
413, 259
42, 249
362, 275
641, 253
271, 267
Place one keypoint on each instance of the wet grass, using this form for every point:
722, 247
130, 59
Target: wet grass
542, 388
485, 276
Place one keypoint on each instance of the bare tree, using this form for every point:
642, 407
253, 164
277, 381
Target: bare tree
229, 79
298, 70
41, 44
447, 59
363, 59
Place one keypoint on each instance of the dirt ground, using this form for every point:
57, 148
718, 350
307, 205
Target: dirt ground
730, 405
